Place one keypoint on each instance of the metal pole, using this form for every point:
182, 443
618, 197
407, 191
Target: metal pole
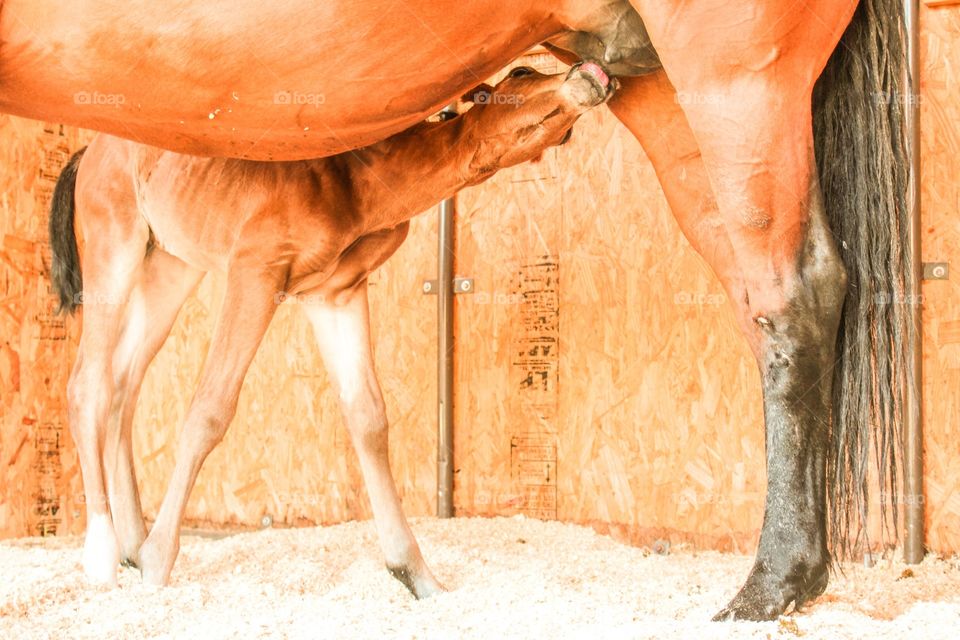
445, 353
913, 546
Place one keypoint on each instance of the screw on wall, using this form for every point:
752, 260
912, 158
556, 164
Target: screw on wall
661, 547
936, 270
266, 522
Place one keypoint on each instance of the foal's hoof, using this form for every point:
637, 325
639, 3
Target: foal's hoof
101, 554
765, 596
155, 566
420, 583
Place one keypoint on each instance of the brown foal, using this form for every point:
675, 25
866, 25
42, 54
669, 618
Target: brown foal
153, 222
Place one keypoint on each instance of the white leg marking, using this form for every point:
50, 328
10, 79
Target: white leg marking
101, 554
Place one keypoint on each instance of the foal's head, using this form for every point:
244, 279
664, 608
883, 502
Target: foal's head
527, 112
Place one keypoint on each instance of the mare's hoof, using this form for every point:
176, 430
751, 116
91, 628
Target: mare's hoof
766, 596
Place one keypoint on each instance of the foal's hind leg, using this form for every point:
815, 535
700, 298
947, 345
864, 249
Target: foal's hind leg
745, 90
248, 306
165, 282
111, 264
343, 335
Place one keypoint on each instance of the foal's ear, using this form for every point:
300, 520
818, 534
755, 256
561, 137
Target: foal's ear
478, 95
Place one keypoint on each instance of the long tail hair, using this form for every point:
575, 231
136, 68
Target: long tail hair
65, 259
859, 117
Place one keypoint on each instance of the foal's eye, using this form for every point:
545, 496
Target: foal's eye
520, 72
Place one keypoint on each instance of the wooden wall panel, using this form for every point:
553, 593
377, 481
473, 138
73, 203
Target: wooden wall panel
644, 417
940, 155
662, 390
40, 486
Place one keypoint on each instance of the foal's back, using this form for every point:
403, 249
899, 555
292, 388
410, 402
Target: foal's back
210, 212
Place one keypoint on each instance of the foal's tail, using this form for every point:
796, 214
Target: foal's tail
859, 116
65, 259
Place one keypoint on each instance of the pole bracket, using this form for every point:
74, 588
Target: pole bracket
460, 286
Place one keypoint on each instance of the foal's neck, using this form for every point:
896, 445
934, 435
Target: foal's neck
406, 174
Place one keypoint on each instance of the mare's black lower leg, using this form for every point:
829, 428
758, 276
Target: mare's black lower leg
796, 357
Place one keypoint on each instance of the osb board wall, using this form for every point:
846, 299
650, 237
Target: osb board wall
40, 487
600, 375
940, 155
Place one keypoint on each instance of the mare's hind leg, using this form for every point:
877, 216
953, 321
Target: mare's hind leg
342, 330
247, 308
164, 284
746, 107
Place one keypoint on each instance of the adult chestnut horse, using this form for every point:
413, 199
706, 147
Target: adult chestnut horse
721, 101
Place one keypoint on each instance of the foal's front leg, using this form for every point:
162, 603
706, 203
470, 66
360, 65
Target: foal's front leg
165, 282
343, 335
248, 306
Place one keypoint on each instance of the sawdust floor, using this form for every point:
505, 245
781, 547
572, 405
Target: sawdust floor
508, 578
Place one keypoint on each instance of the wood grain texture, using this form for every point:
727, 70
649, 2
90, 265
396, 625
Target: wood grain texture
940, 185
40, 486
656, 416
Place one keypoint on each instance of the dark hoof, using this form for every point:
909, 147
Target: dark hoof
766, 596
421, 584
405, 576
130, 563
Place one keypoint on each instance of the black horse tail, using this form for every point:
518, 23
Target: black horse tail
65, 259
862, 159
